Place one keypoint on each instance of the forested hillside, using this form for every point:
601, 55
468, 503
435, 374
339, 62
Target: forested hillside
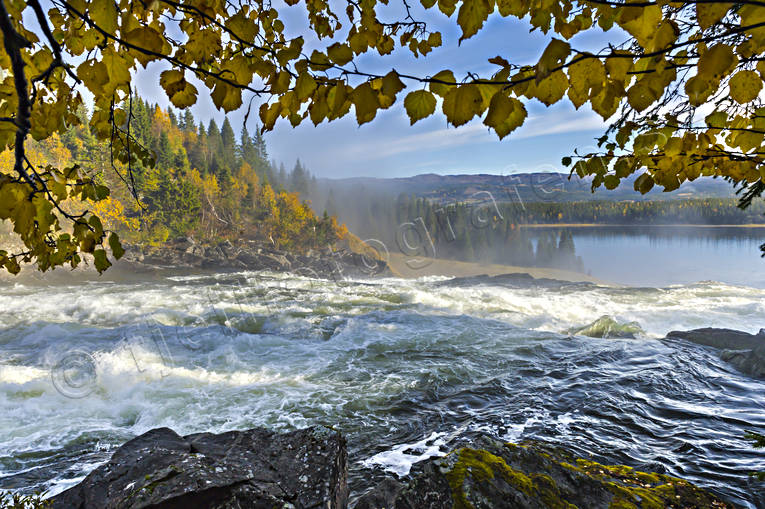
207, 181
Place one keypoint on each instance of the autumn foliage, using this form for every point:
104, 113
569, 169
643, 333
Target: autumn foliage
679, 82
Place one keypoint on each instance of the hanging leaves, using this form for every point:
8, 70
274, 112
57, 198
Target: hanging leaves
679, 56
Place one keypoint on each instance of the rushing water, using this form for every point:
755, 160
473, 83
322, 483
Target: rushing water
401, 366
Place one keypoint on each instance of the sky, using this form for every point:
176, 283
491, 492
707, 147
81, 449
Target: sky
390, 147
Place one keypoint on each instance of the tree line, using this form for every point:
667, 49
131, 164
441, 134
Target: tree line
205, 182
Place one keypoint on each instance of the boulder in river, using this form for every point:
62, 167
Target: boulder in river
751, 362
607, 327
254, 468
493, 475
721, 338
745, 351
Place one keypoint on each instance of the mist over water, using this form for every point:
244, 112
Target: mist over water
403, 367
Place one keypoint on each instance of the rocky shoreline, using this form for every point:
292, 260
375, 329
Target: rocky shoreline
307, 468
336, 262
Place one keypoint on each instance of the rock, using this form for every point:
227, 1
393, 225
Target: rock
607, 327
255, 468
491, 474
721, 338
276, 261
183, 243
751, 362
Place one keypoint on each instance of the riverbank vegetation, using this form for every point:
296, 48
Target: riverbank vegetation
206, 182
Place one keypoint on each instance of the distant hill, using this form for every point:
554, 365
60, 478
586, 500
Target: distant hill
529, 187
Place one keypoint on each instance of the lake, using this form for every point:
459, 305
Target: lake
668, 255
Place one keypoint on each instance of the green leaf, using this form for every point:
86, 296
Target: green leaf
419, 104
461, 104
100, 260
566, 161
644, 183
116, 246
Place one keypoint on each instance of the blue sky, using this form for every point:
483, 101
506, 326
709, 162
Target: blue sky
390, 147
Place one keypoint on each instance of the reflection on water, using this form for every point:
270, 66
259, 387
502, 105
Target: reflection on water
665, 255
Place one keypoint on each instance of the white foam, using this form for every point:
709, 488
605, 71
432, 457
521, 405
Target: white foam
399, 459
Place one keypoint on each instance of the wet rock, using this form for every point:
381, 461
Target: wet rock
491, 474
743, 350
751, 362
721, 338
254, 469
607, 327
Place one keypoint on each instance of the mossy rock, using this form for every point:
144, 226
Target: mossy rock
491, 474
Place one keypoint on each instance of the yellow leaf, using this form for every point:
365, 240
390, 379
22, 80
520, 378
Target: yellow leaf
304, 86
447, 6
461, 104
442, 88
146, 38
226, 97
716, 62
641, 22
419, 104
553, 56
365, 101
100, 260
710, 13
618, 67
340, 54
644, 93
586, 78
745, 86
698, 90
551, 89
644, 183
754, 15
472, 15
180, 92
505, 114
94, 75
104, 14
243, 27
392, 84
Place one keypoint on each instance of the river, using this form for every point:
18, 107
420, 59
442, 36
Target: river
403, 367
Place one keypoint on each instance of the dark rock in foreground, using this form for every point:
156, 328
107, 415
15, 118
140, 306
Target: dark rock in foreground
745, 351
493, 475
255, 468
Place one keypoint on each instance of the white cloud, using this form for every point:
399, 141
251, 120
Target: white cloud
474, 133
